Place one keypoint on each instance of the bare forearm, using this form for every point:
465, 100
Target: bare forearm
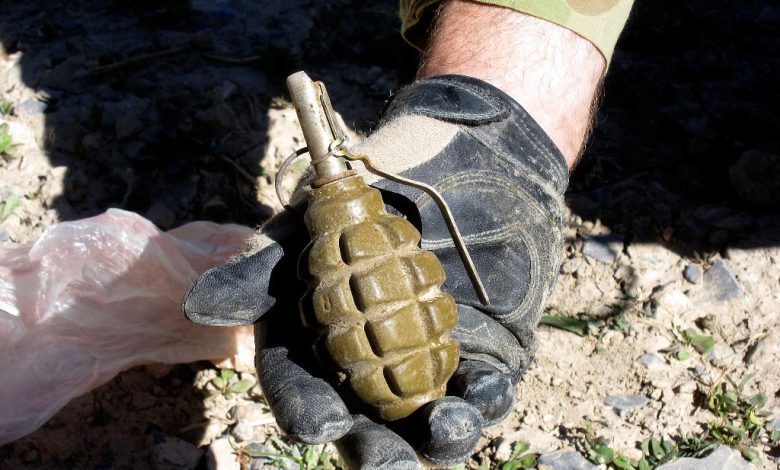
552, 72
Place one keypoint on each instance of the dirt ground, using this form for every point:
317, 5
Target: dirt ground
673, 219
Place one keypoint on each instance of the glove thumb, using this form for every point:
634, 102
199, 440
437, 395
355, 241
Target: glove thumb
242, 290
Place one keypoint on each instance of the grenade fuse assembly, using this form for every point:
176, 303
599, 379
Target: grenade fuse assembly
374, 295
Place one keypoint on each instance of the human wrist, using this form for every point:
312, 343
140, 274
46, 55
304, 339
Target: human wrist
552, 72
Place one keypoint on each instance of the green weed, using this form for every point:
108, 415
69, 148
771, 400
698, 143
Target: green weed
224, 385
6, 143
688, 338
740, 417
6, 107
741, 420
8, 206
520, 458
308, 457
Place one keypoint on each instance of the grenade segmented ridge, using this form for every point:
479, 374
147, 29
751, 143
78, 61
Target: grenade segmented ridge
376, 302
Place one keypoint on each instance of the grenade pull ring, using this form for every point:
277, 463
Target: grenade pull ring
325, 144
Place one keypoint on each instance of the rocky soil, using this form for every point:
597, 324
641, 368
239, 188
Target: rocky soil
177, 111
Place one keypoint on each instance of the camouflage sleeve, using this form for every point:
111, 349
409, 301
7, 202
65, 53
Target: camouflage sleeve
598, 21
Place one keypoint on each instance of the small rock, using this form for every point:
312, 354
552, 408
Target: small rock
571, 265
720, 283
602, 248
128, 125
650, 308
692, 274
30, 107
722, 355
92, 142
4, 235
161, 216
220, 456
651, 360
623, 403
624, 273
756, 177
249, 417
723, 458
174, 453
565, 461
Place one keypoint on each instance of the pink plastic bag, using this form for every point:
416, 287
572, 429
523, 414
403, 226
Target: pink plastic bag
97, 296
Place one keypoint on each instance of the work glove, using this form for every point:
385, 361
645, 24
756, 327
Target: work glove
504, 180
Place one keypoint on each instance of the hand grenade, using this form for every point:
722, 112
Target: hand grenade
374, 295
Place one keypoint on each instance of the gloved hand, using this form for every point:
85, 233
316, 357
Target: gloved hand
504, 181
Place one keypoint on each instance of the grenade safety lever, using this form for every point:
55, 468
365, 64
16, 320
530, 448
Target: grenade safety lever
374, 299
324, 143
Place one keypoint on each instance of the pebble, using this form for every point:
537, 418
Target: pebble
722, 356
623, 403
220, 456
4, 236
720, 283
755, 177
249, 416
723, 458
127, 125
30, 107
174, 453
602, 248
571, 265
565, 461
651, 360
692, 274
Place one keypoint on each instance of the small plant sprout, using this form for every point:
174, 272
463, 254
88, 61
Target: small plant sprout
740, 418
6, 107
688, 338
6, 143
8, 206
228, 387
307, 457
520, 458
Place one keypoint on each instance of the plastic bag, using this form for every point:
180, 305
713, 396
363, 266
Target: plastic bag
97, 296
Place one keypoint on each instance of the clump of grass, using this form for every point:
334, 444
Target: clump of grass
6, 107
688, 338
8, 206
308, 457
520, 458
6, 143
741, 420
587, 323
740, 417
226, 386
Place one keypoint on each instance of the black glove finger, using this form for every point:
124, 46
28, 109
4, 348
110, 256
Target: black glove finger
483, 339
484, 387
306, 408
235, 293
445, 432
369, 445
242, 290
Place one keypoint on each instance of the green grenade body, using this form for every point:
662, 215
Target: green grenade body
374, 299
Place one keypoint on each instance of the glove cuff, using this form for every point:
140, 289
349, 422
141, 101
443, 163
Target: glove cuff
473, 103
